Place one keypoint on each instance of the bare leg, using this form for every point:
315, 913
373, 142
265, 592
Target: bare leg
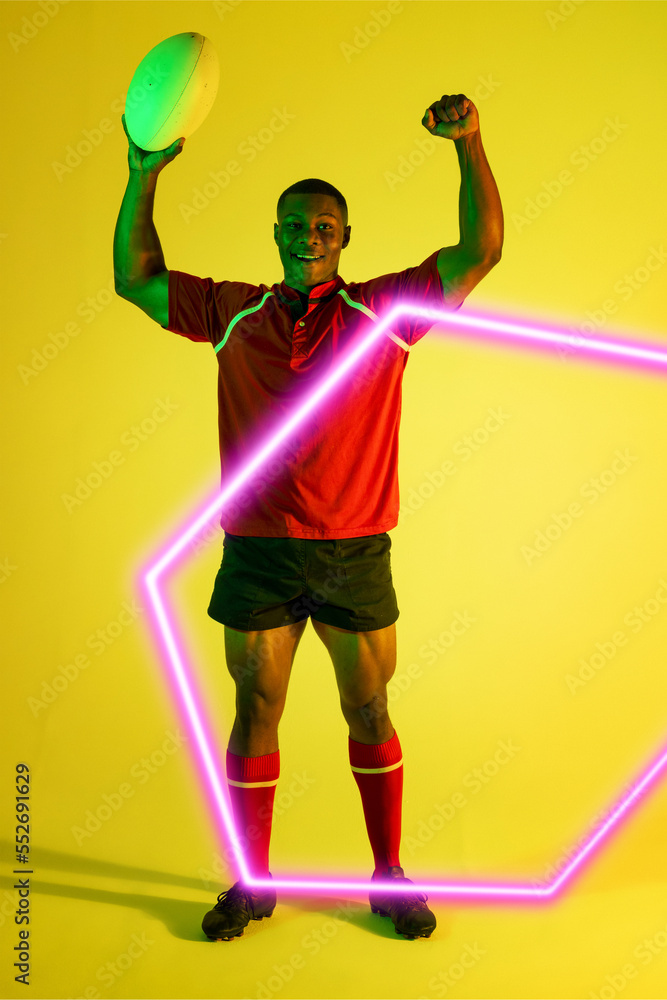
364, 663
260, 664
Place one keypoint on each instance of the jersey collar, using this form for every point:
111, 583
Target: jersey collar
317, 292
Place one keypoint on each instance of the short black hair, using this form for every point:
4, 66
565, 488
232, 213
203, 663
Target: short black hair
313, 185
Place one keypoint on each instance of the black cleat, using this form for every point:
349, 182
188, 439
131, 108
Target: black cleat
408, 911
235, 909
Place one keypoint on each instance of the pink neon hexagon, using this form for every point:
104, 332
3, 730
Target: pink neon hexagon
181, 676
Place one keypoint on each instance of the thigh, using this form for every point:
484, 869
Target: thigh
260, 662
364, 662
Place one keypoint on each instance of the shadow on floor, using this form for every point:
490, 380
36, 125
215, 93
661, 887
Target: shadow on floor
181, 917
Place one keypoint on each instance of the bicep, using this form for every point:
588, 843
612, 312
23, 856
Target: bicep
152, 296
459, 272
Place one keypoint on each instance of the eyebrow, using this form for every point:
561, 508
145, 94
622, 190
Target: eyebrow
297, 215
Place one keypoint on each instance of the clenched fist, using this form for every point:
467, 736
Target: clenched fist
454, 116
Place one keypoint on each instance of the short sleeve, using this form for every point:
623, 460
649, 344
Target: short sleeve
201, 309
420, 285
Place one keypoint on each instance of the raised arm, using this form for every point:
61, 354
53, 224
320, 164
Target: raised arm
481, 227
140, 273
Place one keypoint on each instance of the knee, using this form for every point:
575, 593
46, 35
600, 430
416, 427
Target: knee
260, 708
368, 711
260, 695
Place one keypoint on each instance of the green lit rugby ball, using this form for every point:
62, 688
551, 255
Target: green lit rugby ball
172, 90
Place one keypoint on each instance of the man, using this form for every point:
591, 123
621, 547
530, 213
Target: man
309, 537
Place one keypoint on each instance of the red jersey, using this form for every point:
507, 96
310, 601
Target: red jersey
336, 475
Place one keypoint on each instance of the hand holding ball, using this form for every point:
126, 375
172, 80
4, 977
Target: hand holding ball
148, 163
171, 93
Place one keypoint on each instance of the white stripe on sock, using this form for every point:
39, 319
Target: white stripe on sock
251, 784
376, 770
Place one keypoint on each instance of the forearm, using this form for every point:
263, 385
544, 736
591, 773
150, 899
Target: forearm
480, 210
137, 254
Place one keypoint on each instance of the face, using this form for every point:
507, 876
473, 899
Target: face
310, 225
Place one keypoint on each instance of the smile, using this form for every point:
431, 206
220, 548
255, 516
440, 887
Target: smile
306, 260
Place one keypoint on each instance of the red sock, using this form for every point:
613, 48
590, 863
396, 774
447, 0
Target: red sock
252, 786
378, 771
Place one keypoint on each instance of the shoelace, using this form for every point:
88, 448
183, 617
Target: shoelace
231, 896
411, 899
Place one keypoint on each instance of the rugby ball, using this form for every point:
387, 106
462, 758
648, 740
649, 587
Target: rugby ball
172, 90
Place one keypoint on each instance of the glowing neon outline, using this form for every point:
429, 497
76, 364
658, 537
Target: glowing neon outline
194, 718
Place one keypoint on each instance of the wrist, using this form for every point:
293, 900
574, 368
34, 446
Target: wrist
469, 140
145, 179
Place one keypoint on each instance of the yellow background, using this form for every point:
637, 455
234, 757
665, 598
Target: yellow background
547, 78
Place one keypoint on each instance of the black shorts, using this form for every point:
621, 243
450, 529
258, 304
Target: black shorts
265, 583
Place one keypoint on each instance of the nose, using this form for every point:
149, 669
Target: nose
308, 244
